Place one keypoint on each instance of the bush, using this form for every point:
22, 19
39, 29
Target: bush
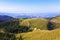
7, 36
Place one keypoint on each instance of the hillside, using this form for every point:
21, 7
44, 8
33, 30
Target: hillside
39, 23
41, 35
32, 28
56, 22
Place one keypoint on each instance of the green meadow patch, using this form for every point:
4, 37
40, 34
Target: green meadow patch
39, 23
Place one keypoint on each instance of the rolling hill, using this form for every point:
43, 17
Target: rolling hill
39, 23
56, 22
41, 35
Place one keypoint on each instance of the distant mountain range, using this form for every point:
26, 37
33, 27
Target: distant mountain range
31, 15
38, 15
5, 17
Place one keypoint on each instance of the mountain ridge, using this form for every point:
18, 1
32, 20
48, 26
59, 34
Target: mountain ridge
5, 17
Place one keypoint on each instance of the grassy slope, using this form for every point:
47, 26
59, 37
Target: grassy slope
56, 22
41, 35
35, 23
56, 19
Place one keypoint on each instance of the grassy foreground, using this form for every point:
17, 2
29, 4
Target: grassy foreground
41, 35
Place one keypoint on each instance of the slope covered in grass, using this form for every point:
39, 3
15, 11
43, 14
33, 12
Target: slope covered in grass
56, 22
41, 35
40, 23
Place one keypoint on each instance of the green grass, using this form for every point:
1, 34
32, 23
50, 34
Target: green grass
40, 23
41, 35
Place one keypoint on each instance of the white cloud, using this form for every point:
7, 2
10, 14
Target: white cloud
29, 9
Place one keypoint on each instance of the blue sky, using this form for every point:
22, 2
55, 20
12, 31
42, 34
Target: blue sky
30, 6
